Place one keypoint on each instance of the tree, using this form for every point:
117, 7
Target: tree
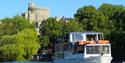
71, 26
123, 19
11, 26
51, 27
113, 13
110, 10
29, 39
7, 39
12, 52
84, 12
120, 20
118, 45
22, 45
18, 39
91, 19
44, 41
49, 30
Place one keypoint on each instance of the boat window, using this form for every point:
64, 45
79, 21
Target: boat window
79, 49
77, 37
97, 49
100, 36
92, 50
105, 49
91, 37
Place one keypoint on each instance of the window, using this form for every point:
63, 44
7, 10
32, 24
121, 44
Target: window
77, 37
92, 50
100, 36
78, 49
97, 49
91, 37
105, 49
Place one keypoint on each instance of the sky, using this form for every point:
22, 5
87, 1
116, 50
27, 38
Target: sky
67, 8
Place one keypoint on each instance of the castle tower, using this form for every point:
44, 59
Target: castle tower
31, 5
36, 14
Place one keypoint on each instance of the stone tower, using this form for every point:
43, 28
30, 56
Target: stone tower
36, 14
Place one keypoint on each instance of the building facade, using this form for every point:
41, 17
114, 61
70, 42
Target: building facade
36, 14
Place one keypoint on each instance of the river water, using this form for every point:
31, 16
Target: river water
39, 62
27, 62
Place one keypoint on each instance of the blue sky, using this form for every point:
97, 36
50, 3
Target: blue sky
67, 8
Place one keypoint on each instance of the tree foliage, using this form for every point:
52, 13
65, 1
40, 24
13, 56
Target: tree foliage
53, 28
11, 26
118, 45
71, 26
18, 39
114, 14
91, 19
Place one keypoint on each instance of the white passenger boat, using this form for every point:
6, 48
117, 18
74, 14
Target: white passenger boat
82, 47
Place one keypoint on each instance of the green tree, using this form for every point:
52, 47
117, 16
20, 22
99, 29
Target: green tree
7, 39
22, 45
84, 12
120, 21
11, 26
12, 52
91, 19
110, 10
44, 41
29, 39
123, 20
71, 26
49, 30
113, 13
51, 27
18, 39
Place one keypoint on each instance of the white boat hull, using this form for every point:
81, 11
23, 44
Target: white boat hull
69, 61
87, 60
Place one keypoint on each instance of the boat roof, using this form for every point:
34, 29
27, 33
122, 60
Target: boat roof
85, 33
96, 44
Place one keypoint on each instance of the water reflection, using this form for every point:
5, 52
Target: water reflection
27, 62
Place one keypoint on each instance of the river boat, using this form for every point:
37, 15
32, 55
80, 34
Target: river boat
82, 47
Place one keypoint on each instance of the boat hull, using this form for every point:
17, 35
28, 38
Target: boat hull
86, 60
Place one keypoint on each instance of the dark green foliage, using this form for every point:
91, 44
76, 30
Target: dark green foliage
53, 28
44, 41
114, 14
71, 26
110, 10
120, 20
92, 19
118, 44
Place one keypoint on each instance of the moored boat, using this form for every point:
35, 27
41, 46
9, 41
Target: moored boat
82, 47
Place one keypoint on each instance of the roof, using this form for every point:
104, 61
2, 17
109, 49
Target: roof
86, 32
96, 44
